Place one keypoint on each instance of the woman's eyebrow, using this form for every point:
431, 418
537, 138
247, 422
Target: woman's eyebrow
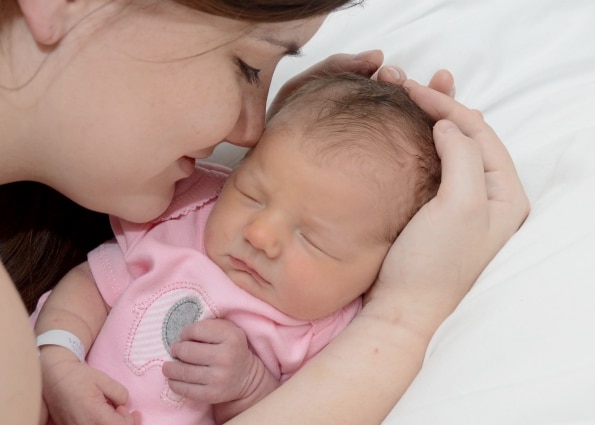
291, 47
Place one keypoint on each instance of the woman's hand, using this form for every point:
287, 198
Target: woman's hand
479, 206
366, 63
442, 81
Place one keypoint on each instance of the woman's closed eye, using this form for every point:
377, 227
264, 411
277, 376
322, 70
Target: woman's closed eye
250, 73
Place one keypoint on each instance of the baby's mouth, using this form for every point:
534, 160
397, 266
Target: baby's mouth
244, 267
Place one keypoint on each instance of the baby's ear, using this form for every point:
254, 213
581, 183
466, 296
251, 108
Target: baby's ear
50, 20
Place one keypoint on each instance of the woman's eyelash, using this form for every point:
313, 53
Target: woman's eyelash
250, 73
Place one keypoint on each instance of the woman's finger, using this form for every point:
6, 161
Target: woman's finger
443, 82
462, 165
391, 74
481, 170
441, 106
469, 121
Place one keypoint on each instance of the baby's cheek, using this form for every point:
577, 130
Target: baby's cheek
302, 290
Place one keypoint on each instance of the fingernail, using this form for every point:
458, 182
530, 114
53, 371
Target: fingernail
397, 73
445, 126
453, 91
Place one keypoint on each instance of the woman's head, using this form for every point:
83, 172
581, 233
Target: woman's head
114, 99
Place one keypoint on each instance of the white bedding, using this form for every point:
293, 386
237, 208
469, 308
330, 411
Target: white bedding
520, 349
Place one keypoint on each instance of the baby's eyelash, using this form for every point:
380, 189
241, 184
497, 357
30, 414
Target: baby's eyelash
308, 240
245, 194
250, 73
248, 196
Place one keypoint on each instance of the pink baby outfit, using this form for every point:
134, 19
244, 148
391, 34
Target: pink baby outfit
158, 279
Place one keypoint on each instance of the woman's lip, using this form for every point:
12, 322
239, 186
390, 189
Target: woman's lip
242, 266
187, 164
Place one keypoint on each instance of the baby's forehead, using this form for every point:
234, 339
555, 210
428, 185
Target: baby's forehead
378, 156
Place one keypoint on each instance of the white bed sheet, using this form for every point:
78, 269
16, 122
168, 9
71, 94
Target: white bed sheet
520, 349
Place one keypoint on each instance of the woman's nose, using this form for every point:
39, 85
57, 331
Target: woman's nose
263, 235
250, 123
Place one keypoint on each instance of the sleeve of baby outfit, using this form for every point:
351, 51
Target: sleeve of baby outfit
108, 264
328, 328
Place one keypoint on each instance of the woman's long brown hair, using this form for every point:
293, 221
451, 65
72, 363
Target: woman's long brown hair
43, 234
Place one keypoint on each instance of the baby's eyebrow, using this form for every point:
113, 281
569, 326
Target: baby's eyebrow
323, 228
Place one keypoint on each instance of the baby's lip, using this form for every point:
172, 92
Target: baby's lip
245, 267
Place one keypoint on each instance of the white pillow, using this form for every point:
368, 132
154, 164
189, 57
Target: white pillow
520, 349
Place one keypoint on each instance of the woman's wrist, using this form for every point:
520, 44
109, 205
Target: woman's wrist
384, 317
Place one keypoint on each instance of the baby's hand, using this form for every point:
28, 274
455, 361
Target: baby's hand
215, 363
77, 394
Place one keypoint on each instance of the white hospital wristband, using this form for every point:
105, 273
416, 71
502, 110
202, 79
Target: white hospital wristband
64, 339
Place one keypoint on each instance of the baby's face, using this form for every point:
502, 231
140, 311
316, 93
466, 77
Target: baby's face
299, 236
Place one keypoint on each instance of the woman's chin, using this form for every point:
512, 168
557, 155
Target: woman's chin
141, 209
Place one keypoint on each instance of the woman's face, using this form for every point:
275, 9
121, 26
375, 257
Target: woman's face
130, 100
